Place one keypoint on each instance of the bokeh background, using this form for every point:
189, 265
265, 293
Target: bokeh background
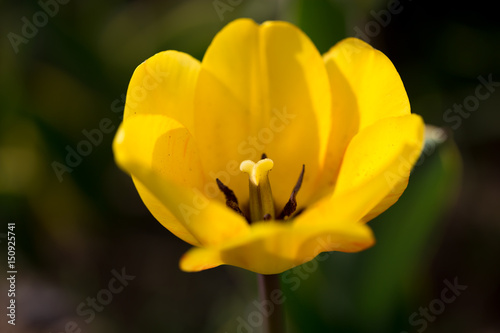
74, 229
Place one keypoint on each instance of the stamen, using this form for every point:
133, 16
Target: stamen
291, 205
231, 200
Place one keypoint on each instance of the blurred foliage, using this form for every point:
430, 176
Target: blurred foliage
71, 234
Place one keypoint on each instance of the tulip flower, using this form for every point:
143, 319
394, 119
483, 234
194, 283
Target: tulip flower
266, 154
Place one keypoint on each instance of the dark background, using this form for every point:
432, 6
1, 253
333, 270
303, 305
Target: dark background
74, 230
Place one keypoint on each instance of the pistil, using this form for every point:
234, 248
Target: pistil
261, 201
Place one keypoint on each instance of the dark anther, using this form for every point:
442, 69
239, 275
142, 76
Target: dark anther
291, 205
267, 217
231, 200
263, 156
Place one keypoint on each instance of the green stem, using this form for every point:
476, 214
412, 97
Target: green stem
270, 294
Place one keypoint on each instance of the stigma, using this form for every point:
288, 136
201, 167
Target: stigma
257, 172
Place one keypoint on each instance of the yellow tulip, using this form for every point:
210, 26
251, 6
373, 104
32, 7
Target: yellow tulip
259, 89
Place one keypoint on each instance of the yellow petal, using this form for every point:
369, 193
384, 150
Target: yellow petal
365, 88
376, 167
164, 84
162, 157
372, 78
273, 247
263, 89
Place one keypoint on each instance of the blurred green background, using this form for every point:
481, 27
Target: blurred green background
75, 231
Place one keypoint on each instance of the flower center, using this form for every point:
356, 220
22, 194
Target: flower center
261, 202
